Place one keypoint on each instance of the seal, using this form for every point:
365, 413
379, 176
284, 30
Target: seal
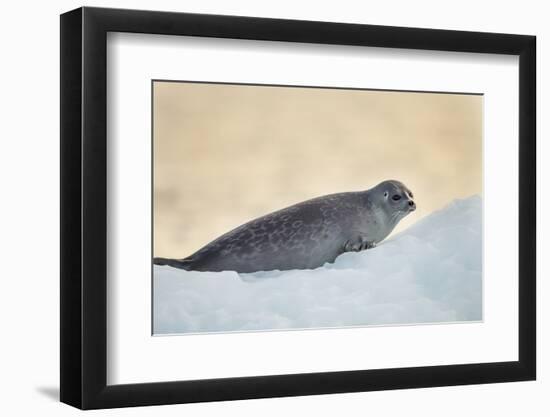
306, 235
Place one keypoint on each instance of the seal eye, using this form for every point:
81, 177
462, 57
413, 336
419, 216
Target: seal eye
396, 197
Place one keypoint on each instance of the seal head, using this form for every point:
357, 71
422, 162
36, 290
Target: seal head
394, 199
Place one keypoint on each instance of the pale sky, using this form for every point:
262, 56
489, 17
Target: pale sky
225, 154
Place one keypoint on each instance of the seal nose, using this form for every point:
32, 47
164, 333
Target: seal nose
412, 205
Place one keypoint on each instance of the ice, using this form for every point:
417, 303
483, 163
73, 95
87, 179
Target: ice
429, 273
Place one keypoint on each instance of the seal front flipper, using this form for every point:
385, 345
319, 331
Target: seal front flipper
367, 245
358, 245
175, 263
353, 246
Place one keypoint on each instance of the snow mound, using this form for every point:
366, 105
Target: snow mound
429, 273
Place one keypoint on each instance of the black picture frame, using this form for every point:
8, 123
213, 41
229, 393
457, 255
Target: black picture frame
84, 207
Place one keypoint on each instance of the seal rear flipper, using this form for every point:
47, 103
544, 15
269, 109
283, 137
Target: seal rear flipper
175, 263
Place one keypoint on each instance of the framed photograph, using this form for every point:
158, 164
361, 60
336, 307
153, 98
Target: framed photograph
258, 207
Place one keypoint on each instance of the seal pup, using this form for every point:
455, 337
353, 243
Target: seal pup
306, 235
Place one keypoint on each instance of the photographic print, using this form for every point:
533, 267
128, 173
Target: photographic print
356, 202
298, 207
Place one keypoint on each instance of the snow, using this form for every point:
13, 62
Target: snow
429, 273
